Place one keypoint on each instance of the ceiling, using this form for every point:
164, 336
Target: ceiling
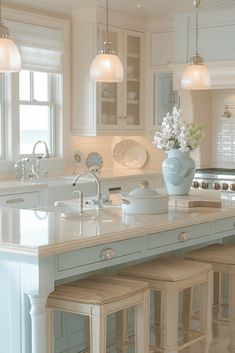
146, 8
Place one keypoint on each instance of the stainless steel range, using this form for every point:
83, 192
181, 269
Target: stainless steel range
217, 179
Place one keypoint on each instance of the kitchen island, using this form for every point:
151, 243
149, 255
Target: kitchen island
38, 248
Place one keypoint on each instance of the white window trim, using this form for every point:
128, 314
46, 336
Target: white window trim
12, 138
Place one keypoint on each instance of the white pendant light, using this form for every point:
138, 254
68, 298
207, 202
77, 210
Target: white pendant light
10, 58
196, 75
106, 66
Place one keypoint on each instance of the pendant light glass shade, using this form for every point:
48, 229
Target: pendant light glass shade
106, 66
10, 58
196, 75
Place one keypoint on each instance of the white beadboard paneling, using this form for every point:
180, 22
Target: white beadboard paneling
148, 8
223, 140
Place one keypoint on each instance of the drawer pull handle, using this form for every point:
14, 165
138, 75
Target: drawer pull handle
107, 254
19, 200
183, 236
115, 189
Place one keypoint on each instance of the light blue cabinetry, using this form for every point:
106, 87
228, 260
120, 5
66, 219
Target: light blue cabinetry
90, 259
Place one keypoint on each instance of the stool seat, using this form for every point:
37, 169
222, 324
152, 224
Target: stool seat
96, 297
169, 269
98, 290
216, 253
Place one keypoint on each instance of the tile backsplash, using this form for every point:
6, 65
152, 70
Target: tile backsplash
105, 144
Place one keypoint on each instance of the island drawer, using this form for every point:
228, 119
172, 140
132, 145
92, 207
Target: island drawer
178, 235
105, 252
223, 225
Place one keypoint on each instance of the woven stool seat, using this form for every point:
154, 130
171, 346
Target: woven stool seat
96, 297
98, 290
170, 269
222, 258
168, 277
216, 253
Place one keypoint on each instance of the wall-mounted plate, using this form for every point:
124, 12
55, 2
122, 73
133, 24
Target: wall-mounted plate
94, 161
79, 159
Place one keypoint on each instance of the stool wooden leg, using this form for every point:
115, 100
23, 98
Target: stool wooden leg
231, 347
122, 330
188, 308
159, 332
171, 313
50, 331
206, 312
142, 325
98, 330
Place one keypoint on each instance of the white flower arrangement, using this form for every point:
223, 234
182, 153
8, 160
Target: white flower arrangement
178, 134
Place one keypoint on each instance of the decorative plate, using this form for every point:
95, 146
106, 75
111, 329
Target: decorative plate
130, 153
94, 161
78, 159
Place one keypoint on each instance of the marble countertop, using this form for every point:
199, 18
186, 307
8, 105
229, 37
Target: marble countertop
40, 233
12, 185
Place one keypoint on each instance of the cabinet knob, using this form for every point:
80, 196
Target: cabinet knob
107, 254
183, 236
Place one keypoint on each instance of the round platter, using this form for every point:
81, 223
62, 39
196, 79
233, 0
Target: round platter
130, 153
94, 160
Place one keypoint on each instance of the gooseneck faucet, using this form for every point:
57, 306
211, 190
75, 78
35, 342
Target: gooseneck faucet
46, 152
36, 168
99, 195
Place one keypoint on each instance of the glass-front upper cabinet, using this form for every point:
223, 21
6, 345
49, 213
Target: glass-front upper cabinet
134, 78
108, 96
165, 98
120, 105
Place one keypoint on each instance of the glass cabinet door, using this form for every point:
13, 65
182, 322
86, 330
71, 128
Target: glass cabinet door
134, 66
165, 98
108, 111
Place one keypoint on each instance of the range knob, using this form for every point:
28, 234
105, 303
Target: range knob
204, 185
195, 184
232, 187
225, 186
216, 186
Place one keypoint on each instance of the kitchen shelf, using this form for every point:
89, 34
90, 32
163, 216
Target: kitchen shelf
133, 55
132, 101
132, 79
108, 100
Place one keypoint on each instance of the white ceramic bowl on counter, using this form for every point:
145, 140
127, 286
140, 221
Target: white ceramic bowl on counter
144, 200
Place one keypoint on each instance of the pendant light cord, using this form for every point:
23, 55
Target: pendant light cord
0, 11
107, 22
197, 29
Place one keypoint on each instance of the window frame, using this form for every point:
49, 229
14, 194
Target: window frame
62, 108
53, 87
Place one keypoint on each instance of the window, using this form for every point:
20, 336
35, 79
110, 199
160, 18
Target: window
37, 110
34, 103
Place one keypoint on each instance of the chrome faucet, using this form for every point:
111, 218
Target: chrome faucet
46, 152
99, 195
35, 170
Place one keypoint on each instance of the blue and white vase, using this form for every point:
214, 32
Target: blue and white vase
178, 172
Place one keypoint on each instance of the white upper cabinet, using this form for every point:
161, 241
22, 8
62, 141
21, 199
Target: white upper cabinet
108, 108
120, 105
161, 48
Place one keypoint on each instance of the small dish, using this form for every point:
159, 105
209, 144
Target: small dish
94, 161
78, 159
130, 153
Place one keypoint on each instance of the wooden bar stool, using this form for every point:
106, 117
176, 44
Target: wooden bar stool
169, 276
222, 258
97, 297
